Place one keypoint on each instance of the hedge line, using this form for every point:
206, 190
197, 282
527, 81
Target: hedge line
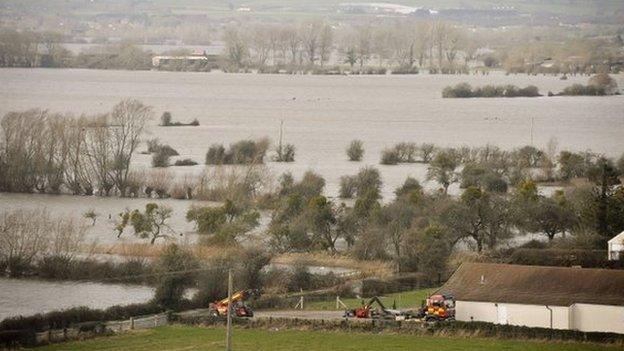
66, 318
563, 258
455, 328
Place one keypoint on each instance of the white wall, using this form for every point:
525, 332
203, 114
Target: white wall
513, 314
583, 317
601, 318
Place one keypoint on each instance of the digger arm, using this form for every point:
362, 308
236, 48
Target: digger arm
373, 300
240, 295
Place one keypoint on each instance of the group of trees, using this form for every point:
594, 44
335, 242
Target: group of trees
419, 230
434, 44
46, 152
404, 46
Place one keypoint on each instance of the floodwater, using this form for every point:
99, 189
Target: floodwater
322, 114
27, 297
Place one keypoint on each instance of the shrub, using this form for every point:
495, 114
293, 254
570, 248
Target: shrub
168, 150
583, 90
185, 162
405, 70
160, 158
348, 187
165, 119
355, 151
194, 122
241, 152
389, 157
605, 82
216, 155
409, 186
285, 153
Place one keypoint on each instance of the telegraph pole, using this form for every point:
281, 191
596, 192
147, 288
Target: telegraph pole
228, 337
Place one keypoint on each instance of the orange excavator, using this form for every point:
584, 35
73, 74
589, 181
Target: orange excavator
239, 308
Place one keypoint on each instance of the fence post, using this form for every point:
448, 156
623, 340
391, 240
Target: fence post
131, 323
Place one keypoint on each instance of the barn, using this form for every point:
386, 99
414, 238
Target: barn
615, 247
548, 297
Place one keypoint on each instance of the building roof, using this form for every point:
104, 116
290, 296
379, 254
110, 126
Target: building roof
535, 285
618, 239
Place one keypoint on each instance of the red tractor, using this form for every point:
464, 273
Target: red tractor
239, 308
367, 311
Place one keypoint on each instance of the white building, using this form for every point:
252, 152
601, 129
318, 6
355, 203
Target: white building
535, 296
615, 247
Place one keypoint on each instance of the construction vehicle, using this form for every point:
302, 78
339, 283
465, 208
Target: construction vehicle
239, 307
367, 311
438, 308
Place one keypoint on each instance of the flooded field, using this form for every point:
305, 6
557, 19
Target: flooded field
37, 296
321, 115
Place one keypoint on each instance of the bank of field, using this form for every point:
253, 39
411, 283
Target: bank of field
207, 339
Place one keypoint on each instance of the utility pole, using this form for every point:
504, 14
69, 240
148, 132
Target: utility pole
532, 121
228, 337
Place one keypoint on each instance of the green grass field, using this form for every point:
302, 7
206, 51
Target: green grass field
404, 300
201, 338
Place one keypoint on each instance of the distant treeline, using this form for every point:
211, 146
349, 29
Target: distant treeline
326, 48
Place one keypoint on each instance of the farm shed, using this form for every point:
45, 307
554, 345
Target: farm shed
615, 247
535, 296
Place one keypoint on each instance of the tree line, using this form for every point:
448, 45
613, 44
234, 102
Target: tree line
48, 152
404, 47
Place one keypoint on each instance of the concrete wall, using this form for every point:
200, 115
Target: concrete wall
513, 314
602, 318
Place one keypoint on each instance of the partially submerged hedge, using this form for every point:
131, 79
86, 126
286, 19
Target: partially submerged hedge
465, 90
65, 318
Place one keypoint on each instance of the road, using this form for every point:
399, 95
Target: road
300, 314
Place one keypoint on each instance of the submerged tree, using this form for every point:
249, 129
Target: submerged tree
150, 224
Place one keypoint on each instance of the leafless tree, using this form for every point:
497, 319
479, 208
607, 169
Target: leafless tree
128, 120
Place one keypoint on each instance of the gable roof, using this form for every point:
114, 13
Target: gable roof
618, 238
535, 285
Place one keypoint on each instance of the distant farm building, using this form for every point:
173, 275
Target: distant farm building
535, 296
616, 247
194, 58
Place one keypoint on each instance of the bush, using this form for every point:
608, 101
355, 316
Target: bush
389, 157
216, 155
285, 153
355, 151
165, 119
405, 70
583, 90
348, 187
185, 162
160, 159
241, 152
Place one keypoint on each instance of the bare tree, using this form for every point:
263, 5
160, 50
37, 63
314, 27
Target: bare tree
128, 120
